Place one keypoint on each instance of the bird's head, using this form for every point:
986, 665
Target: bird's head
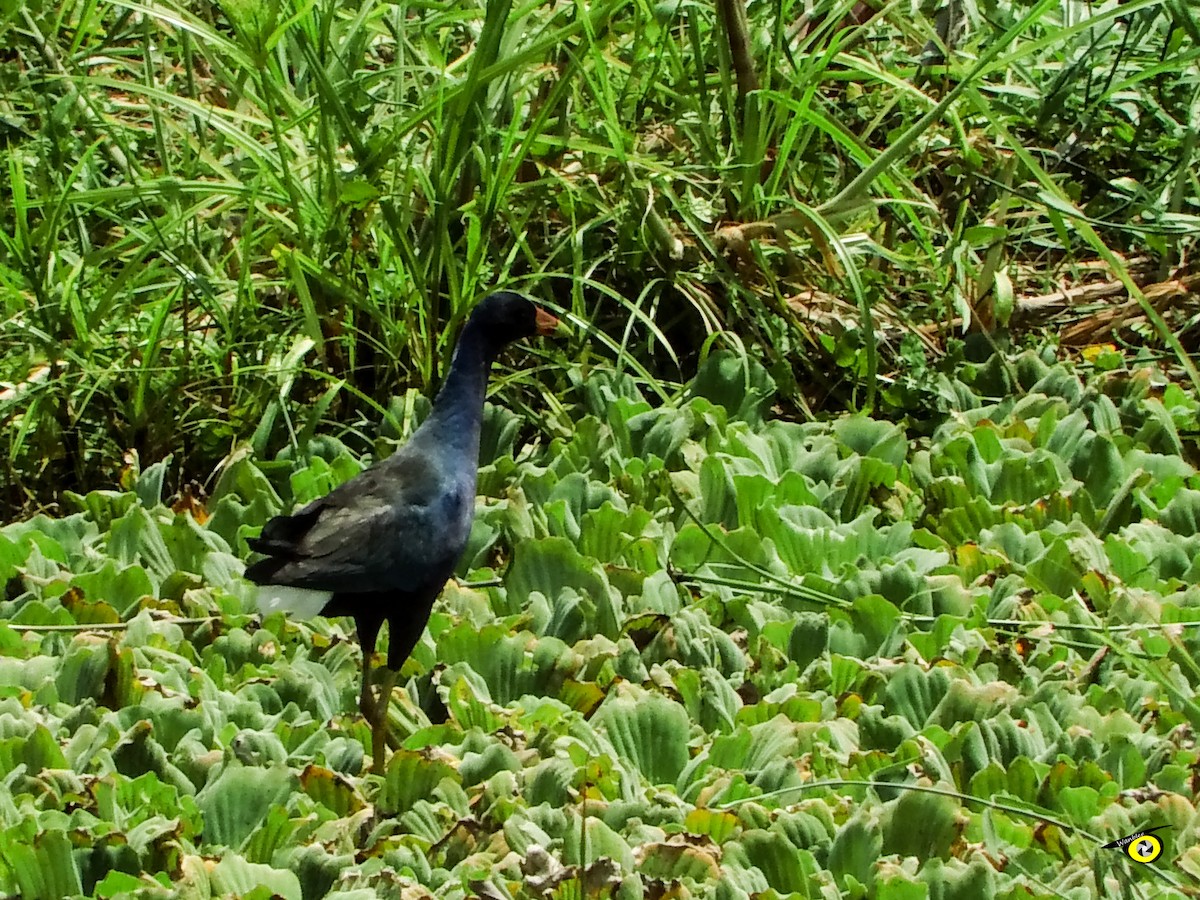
505, 316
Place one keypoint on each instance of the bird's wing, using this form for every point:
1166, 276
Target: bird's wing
381, 530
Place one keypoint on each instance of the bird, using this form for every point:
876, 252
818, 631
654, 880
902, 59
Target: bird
380, 547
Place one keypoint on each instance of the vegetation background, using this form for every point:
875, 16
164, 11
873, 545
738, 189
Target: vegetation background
221, 220
236, 242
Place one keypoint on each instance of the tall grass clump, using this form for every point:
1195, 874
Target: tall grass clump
246, 221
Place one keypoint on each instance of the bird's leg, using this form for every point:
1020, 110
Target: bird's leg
378, 719
368, 633
374, 710
366, 700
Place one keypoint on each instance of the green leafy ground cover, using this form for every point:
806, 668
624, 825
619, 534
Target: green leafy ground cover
696, 652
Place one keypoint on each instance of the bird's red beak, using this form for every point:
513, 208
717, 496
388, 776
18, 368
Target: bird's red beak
546, 323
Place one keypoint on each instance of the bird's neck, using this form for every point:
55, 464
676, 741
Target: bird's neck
458, 408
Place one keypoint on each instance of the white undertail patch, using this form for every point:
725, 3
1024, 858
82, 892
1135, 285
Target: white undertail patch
299, 603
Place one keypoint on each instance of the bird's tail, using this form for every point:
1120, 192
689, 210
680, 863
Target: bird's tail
298, 603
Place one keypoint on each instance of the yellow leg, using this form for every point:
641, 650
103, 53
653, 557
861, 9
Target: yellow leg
366, 702
377, 717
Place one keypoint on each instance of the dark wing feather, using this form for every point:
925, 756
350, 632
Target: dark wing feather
384, 529
280, 535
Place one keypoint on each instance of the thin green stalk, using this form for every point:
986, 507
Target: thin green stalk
105, 626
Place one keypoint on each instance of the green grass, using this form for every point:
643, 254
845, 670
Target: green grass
221, 219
